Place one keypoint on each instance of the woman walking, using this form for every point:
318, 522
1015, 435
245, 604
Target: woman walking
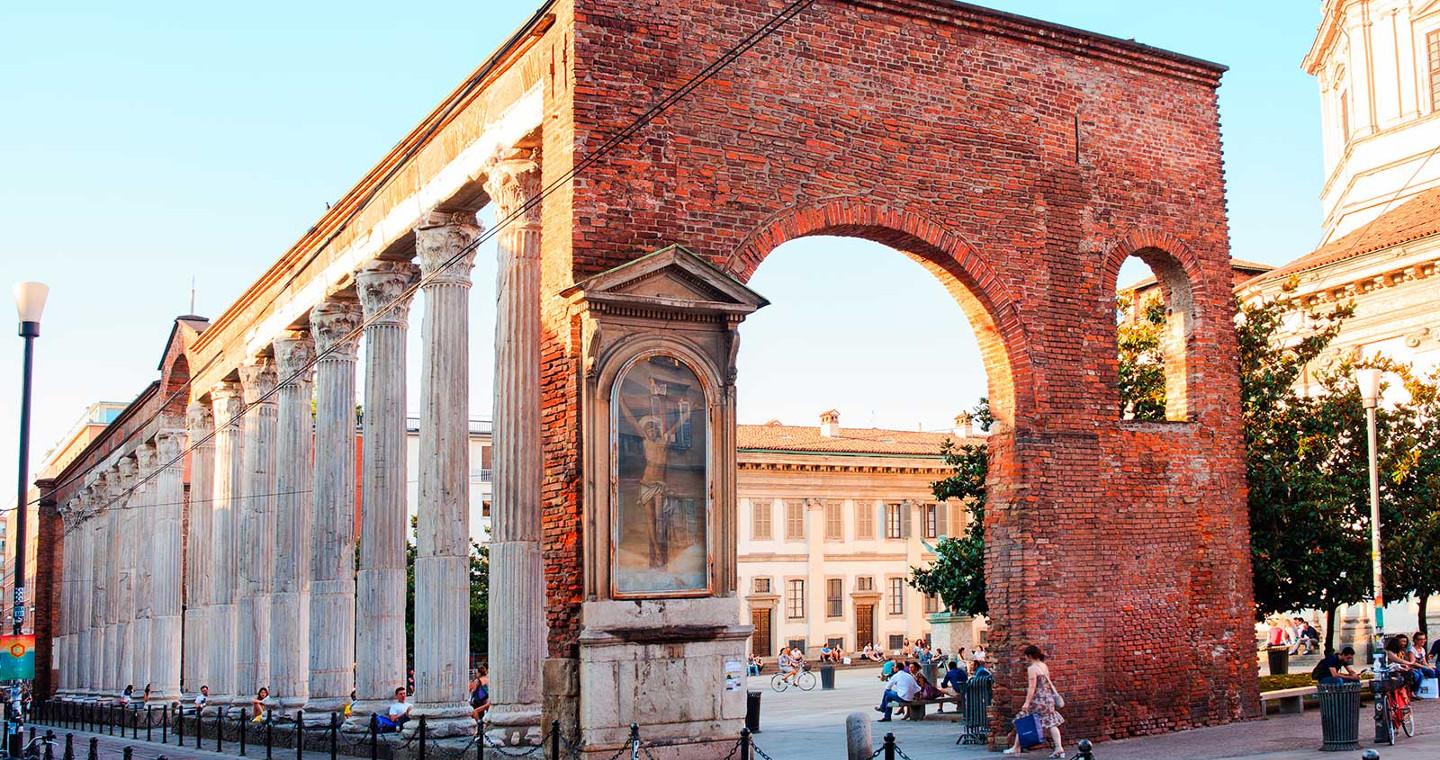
1041, 700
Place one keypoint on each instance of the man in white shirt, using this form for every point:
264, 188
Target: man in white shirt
399, 711
902, 687
202, 699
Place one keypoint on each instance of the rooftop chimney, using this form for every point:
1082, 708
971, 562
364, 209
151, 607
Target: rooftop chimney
830, 424
964, 425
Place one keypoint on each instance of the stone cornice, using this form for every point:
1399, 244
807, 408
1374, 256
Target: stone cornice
1337, 285
887, 469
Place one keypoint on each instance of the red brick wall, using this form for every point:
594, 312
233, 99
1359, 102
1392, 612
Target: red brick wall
950, 133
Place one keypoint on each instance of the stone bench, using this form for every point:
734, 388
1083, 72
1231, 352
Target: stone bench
1291, 701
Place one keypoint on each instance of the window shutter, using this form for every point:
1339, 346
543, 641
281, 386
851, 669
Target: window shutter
880, 523
942, 519
906, 510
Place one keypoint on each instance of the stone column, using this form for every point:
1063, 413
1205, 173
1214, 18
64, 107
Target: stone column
141, 513
226, 479
255, 541
332, 545
199, 424
99, 571
65, 637
114, 488
165, 577
442, 577
517, 619
290, 603
125, 566
383, 524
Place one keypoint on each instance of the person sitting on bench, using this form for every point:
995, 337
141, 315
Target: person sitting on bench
902, 687
1335, 669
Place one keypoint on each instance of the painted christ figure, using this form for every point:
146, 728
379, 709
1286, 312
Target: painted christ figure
654, 488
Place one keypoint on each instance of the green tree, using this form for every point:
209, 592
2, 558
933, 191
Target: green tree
1141, 369
479, 595
957, 575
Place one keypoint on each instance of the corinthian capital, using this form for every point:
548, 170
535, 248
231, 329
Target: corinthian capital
382, 285
257, 378
333, 323
167, 446
443, 247
227, 401
294, 353
514, 181
199, 420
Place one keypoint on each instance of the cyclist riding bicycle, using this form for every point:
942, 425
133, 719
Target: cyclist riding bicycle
787, 667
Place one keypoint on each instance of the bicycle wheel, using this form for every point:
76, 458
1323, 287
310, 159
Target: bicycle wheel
778, 682
1407, 720
806, 681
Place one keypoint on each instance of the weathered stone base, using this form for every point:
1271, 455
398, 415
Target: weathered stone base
662, 665
441, 721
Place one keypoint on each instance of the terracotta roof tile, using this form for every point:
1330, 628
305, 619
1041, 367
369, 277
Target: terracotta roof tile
1416, 218
777, 437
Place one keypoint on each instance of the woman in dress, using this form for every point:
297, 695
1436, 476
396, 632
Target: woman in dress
1041, 701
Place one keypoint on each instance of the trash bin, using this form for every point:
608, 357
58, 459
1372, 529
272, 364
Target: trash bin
827, 676
1339, 716
928, 670
1279, 658
752, 711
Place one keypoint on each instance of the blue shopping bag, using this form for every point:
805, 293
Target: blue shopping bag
1027, 728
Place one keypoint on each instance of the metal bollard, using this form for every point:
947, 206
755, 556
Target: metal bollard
69, 747
334, 733
165, 724
149, 721
179, 724
129, 753
554, 739
1370, 754
299, 735
219, 729
94, 753
634, 739
420, 731
1084, 750
244, 729
744, 743
374, 737
49, 745
889, 747
269, 733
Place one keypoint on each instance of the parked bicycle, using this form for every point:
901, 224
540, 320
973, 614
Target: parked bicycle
34, 749
1393, 709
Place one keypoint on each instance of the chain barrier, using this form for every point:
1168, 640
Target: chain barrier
507, 751
760, 753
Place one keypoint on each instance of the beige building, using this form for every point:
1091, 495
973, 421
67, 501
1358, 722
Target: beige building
481, 474
831, 520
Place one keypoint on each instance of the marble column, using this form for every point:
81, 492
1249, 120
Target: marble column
165, 574
141, 514
100, 571
115, 490
332, 544
442, 546
290, 601
383, 523
195, 663
125, 576
85, 609
65, 638
517, 588
255, 541
226, 479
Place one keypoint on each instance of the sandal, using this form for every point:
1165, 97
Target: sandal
1060, 753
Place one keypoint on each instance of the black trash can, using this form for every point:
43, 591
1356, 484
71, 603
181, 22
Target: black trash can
752, 711
928, 670
1279, 658
827, 676
1339, 716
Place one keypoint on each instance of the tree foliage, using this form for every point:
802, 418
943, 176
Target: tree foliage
957, 575
479, 595
1141, 369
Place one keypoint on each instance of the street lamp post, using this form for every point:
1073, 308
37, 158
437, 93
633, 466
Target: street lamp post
29, 303
1368, 379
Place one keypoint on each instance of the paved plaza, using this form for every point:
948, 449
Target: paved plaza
799, 724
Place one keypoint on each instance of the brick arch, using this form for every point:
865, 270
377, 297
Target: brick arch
992, 310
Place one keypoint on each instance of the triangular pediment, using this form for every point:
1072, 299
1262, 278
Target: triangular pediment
671, 278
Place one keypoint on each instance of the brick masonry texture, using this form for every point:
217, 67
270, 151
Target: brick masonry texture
950, 134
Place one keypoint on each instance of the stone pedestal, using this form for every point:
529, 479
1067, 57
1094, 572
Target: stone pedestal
165, 576
199, 424
442, 547
290, 588
676, 667
332, 543
227, 478
951, 632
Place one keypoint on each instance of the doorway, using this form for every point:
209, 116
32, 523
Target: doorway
864, 625
760, 640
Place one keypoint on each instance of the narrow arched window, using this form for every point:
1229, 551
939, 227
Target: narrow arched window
1154, 321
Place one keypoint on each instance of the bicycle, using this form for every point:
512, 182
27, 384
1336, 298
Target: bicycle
1392, 708
802, 679
34, 749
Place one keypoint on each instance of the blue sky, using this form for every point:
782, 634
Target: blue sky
143, 144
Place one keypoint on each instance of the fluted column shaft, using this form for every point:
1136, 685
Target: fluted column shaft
199, 423
517, 603
227, 478
100, 572
382, 289
165, 575
331, 549
143, 507
125, 566
256, 539
68, 581
290, 601
442, 546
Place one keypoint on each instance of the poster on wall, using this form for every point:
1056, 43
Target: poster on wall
661, 481
18, 661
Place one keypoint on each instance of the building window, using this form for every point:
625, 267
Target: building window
762, 585
865, 522
897, 596
895, 515
796, 644
931, 526
865, 583
485, 508
834, 598
1432, 47
932, 604
1345, 114
835, 642
834, 522
897, 642
795, 600
795, 520
761, 524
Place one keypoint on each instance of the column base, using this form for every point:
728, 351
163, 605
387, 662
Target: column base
360, 712
319, 709
514, 725
441, 721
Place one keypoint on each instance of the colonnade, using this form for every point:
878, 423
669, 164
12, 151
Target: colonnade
273, 593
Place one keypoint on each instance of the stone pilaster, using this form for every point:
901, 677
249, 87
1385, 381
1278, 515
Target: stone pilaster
124, 669
227, 477
381, 286
443, 245
517, 620
114, 562
165, 576
199, 424
64, 637
100, 572
332, 546
290, 603
141, 512
255, 549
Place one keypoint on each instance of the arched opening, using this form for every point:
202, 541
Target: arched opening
1154, 321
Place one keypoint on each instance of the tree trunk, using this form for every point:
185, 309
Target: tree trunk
1330, 630
1424, 602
